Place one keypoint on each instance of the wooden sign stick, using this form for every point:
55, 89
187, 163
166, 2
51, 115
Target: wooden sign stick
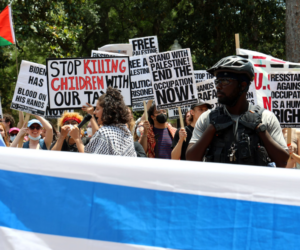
289, 138
237, 43
145, 111
181, 119
20, 144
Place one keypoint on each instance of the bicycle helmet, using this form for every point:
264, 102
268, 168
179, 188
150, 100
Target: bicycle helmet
234, 64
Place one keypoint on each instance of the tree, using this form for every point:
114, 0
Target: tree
292, 31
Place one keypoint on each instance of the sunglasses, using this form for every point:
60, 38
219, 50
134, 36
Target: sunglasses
224, 81
34, 127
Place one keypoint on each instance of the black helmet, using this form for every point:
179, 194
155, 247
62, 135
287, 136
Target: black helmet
234, 64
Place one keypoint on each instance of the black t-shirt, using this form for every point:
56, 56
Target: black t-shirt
73, 147
189, 130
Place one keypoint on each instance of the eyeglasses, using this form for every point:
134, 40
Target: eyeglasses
224, 81
34, 127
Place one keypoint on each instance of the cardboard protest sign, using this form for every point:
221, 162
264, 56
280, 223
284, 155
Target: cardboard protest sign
73, 82
1, 113
144, 45
55, 113
285, 93
172, 78
173, 113
141, 85
125, 49
202, 75
96, 53
30, 93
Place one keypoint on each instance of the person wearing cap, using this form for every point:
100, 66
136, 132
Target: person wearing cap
183, 135
34, 130
66, 123
13, 133
237, 132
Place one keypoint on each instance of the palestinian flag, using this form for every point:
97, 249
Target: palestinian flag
7, 34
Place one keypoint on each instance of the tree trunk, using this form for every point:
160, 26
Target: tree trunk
292, 31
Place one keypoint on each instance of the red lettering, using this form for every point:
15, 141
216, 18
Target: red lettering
77, 85
86, 66
258, 84
82, 86
88, 82
72, 87
94, 82
122, 70
52, 84
94, 66
99, 68
267, 102
100, 82
115, 66
107, 63
64, 84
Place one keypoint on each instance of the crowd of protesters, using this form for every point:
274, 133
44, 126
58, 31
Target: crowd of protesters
112, 129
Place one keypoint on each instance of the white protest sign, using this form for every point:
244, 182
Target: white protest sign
173, 113
141, 86
125, 49
76, 81
30, 93
55, 113
144, 45
285, 93
172, 78
202, 75
96, 53
1, 113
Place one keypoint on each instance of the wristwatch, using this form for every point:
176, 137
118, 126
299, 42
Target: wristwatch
261, 128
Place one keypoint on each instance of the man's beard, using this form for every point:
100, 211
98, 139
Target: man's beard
228, 100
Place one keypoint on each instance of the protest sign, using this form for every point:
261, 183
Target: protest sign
55, 113
141, 86
73, 82
144, 45
285, 94
1, 113
202, 75
96, 53
125, 49
30, 93
173, 113
172, 78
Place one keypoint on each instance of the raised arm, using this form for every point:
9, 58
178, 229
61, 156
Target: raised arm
21, 120
90, 110
49, 131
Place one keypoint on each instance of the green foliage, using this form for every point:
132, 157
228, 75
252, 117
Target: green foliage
72, 28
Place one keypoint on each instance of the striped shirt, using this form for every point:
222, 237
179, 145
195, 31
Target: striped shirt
164, 143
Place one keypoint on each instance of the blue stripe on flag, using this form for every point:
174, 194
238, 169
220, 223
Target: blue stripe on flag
2, 144
98, 211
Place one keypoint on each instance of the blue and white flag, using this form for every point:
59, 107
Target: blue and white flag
2, 143
68, 201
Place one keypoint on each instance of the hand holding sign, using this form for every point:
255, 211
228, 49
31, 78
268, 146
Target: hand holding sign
182, 134
88, 108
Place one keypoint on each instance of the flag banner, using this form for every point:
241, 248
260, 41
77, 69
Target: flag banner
141, 85
1, 112
7, 33
96, 53
63, 200
264, 65
2, 143
55, 113
285, 95
173, 79
144, 45
73, 82
125, 49
30, 93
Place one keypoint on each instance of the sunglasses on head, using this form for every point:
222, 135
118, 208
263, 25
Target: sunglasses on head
35, 127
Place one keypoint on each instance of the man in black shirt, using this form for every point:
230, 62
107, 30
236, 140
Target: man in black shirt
183, 135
